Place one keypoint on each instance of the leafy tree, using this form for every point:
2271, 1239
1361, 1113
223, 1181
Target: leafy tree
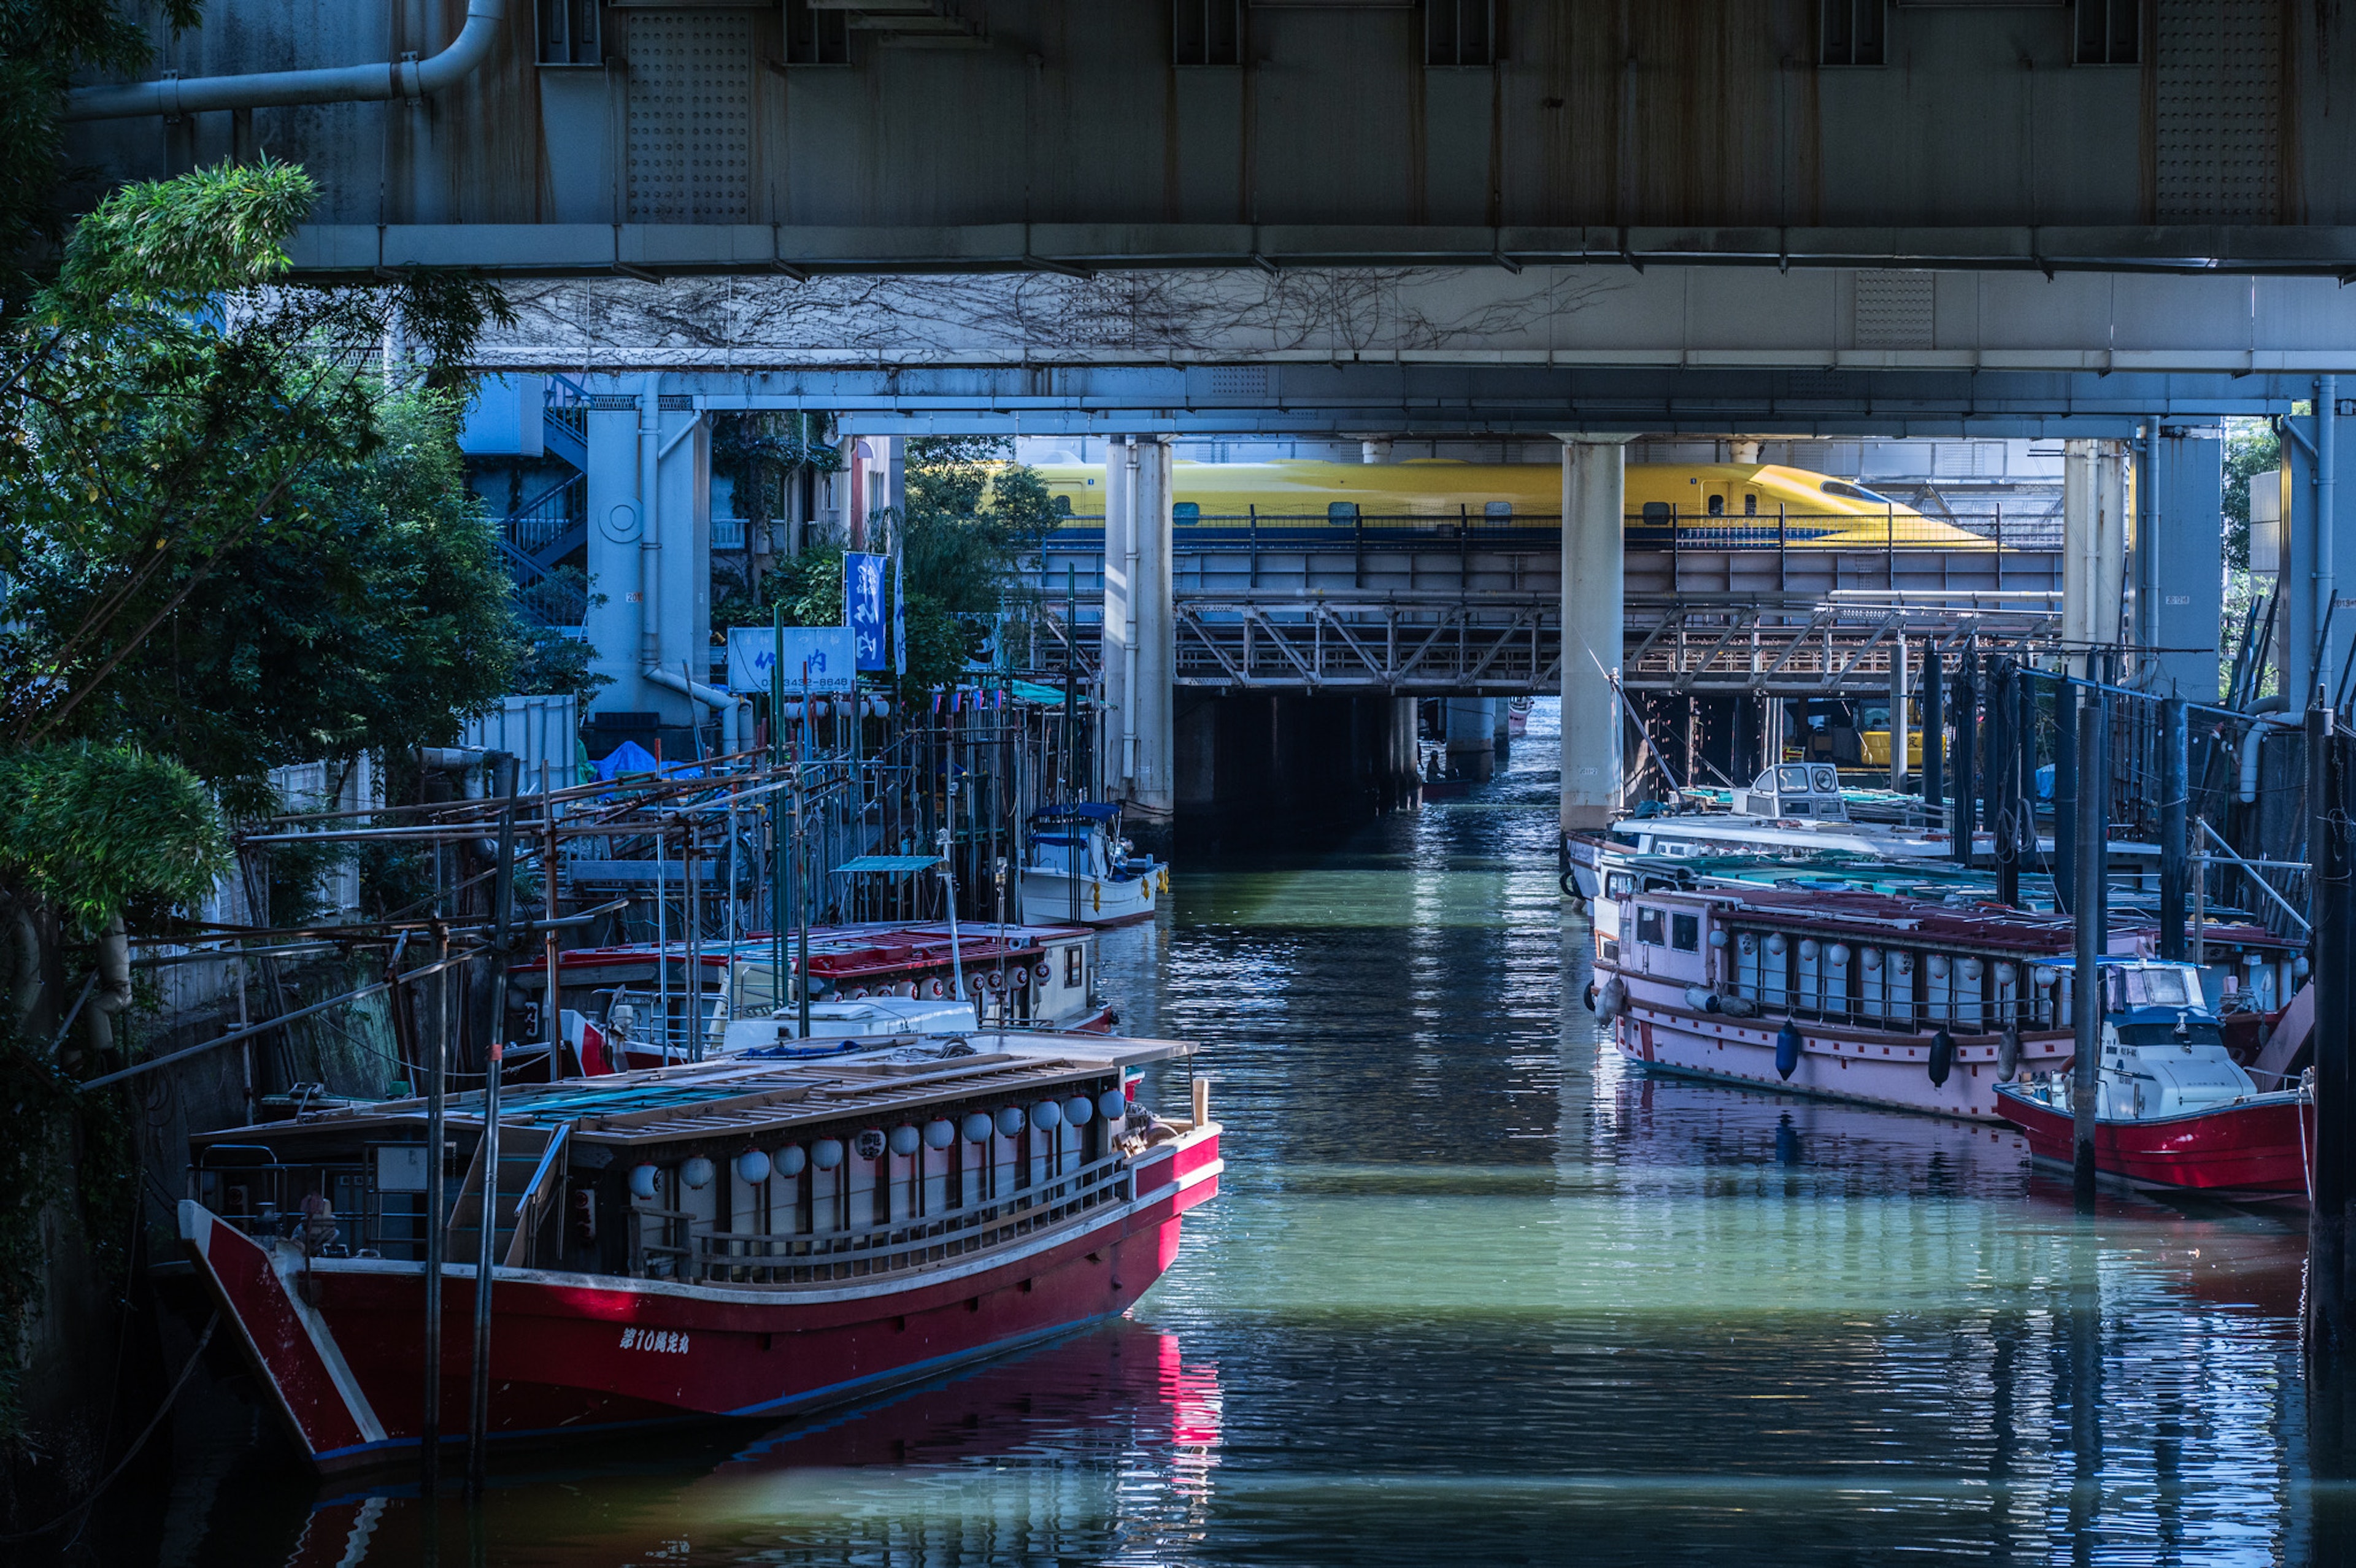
234, 543
2252, 447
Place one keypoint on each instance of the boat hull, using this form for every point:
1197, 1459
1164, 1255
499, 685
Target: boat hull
337, 1342
1103, 901
1834, 1063
2254, 1147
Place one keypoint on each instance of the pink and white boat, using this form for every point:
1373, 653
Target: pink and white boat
1855, 996
745, 1238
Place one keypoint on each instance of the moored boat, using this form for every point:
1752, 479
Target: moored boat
2173, 1109
1850, 995
748, 1238
1081, 871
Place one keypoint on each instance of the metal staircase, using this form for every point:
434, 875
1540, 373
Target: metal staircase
527, 1181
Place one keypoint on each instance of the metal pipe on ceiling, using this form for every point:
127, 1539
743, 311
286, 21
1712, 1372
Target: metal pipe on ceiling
403, 79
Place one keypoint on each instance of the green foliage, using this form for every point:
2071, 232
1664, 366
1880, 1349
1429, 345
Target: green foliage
558, 667
2252, 447
760, 452
809, 588
234, 545
972, 516
87, 829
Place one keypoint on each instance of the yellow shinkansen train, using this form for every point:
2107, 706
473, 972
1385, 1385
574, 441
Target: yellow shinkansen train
1746, 502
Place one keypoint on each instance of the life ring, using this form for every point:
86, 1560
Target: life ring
1569, 885
1588, 996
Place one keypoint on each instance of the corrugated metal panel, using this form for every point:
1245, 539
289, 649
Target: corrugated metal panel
534, 729
2218, 120
691, 116
1893, 310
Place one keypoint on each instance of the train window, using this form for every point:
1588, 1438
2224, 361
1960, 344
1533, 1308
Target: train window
1656, 512
1498, 511
1717, 505
1751, 503
1186, 512
1341, 512
1648, 927
1062, 506
1685, 932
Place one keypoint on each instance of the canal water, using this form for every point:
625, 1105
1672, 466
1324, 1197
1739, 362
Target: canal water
1473, 1293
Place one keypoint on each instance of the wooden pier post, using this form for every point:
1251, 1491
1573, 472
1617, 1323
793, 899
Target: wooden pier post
2175, 775
2065, 794
437, 1217
1934, 732
2086, 900
2331, 845
2004, 778
1966, 750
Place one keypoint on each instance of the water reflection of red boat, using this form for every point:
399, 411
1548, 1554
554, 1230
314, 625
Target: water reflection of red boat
1122, 1399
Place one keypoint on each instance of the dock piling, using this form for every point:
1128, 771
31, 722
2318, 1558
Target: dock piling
2332, 846
1934, 732
2175, 773
2086, 984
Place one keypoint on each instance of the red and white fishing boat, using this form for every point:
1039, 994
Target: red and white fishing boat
1855, 996
2173, 1109
648, 1004
746, 1238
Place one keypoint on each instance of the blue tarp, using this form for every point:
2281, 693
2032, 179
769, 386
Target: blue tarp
1093, 810
629, 757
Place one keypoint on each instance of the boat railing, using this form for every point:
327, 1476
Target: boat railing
742, 1257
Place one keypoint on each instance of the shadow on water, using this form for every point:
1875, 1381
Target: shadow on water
1476, 1292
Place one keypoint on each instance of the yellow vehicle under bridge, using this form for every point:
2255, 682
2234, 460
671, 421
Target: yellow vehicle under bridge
1426, 525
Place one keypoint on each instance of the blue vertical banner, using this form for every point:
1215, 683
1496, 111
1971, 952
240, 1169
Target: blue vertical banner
863, 605
900, 617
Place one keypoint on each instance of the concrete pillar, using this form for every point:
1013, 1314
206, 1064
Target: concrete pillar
1594, 578
2183, 548
650, 549
1472, 734
2093, 542
1140, 642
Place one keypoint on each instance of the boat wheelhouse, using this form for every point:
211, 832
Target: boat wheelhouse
1856, 995
2173, 1109
754, 1237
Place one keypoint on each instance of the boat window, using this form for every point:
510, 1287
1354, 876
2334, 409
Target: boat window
2196, 1032
1685, 932
1827, 782
1791, 781
2149, 988
1648, 926
1184, 512
1619, 885
1498, 511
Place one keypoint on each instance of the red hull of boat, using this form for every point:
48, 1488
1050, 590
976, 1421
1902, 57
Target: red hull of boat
338, 1343
2241, 1149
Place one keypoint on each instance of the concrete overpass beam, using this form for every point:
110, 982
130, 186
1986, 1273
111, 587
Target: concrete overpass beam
1593, 588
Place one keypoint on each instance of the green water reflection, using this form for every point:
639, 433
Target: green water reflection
1472, 1293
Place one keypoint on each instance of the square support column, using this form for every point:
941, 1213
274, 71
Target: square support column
2318, 549
2094, 544
650, 548
1139, 637
2184, 551
1594, 580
